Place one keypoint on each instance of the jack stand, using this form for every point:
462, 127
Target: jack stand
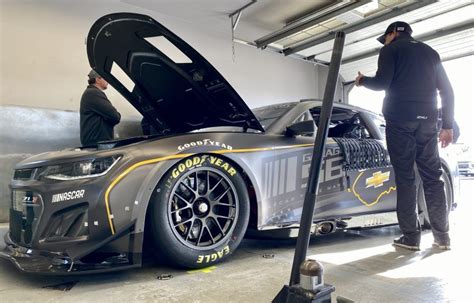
297, 294
314, 291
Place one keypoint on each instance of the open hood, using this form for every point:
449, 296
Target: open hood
163, 77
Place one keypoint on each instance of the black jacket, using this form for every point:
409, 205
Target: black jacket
411, 74
98, 117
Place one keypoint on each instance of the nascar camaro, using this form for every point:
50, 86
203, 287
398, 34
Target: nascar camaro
214, 171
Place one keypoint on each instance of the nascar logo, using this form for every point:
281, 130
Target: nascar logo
70, 195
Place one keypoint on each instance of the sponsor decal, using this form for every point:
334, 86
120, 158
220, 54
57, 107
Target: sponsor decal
28, 199
222, 164
204, 142
377, 179
213, 257
374, 195
187, 164
70, 195
197, 161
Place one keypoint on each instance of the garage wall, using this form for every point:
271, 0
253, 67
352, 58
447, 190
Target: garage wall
44, 66
44, 61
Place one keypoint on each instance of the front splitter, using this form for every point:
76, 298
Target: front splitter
48, 263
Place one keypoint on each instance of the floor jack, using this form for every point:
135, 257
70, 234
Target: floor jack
306, 282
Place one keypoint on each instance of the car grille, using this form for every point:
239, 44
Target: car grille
67, 224
27, 207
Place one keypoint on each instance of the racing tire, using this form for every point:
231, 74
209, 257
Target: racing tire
199, 212
423, 210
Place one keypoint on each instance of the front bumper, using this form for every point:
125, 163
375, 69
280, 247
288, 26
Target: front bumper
62, 228
54, 263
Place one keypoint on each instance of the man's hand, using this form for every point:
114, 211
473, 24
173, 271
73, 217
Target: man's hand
446, 137
357, 80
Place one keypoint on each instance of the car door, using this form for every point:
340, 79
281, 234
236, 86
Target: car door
343, 191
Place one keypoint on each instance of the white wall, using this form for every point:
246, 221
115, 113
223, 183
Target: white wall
44, 62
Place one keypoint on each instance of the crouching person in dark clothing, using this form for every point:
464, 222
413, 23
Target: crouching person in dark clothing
411, 74
97, 114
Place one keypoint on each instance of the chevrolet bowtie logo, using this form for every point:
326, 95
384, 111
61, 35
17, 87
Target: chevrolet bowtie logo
377, 179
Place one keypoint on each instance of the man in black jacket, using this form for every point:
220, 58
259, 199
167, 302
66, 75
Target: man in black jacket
411, 74
98, 115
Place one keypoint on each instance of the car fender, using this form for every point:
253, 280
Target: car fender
157, 172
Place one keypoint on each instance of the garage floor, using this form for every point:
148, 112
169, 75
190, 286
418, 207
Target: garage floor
362, 265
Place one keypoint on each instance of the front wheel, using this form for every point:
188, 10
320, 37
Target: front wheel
422, 208
199, 212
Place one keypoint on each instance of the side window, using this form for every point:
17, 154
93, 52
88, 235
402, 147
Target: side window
345, 123
306, 116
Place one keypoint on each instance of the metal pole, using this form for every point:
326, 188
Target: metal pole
318, 154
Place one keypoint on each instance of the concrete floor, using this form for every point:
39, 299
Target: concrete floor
362, 265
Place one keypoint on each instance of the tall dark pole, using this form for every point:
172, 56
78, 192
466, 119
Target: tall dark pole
318, 154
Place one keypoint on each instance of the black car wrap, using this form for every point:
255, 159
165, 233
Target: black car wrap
195, 188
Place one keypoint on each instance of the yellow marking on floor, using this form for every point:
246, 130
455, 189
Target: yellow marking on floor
205, 270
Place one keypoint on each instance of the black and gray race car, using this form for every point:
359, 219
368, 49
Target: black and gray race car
214, 171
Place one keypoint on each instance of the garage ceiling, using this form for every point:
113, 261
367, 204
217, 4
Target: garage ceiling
305, 29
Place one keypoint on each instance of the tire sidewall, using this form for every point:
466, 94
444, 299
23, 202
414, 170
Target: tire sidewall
164, 239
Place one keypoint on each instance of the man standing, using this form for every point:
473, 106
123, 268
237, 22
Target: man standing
98, 115
411, 74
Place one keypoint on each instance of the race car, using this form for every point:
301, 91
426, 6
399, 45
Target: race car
213, 171
466, 168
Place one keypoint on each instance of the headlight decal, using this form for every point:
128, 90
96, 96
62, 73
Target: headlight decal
80, 170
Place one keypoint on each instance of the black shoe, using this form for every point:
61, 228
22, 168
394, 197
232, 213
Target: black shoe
403, 242
443, 245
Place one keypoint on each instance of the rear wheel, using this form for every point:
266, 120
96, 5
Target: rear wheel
199, 212
422, 208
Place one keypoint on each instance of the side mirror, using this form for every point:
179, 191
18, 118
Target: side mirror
304, 128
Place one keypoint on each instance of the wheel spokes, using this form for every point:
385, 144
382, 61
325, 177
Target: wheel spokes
190, 229
180, 209
224, 204
189, 187
224, 217
184, 222
216, 185
219, 226
201, 232
223, 194
200, 226
183, 199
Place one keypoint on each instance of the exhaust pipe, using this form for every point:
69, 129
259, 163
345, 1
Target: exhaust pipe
325, 227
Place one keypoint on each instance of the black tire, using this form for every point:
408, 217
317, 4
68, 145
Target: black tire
199, 212
422, 209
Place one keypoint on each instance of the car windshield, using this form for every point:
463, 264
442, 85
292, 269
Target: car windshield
269, 114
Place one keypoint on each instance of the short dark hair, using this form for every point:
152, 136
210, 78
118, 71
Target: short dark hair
91, 81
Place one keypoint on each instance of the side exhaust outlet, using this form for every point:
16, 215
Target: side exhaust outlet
326, 227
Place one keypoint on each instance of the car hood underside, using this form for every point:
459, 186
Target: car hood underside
132, 52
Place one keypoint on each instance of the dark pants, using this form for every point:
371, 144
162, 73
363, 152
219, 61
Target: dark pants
409, 142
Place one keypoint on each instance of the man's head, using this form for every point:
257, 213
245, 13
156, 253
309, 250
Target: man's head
394, 30
97, 80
